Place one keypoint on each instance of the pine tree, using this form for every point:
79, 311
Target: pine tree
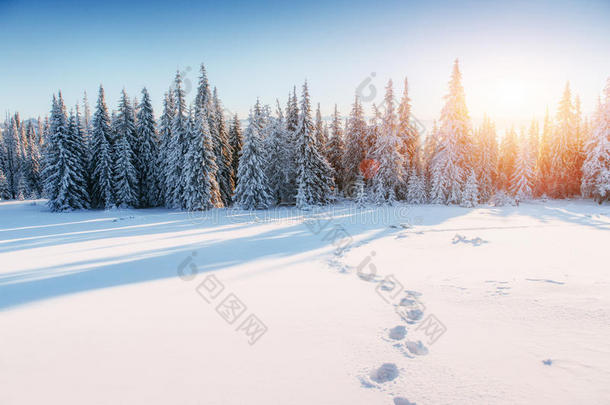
320, 135
277, 156
416, 188
165, 170
596, 167
149, 190
430, 150
177, 148
13, 158
223, 153
372, 134
359, 191
87, 124
292, 124
534, 150
126, 127
544, 157
452, 160
509, 150
313, 182
354, 144
407, 131
125, 163
65, 185
102, 145
4, 192
335, 148
31, 163
236, 141
523, 172
201, 191
470, 197
562, 163
389, 182
487, 165
578, 142
252, 191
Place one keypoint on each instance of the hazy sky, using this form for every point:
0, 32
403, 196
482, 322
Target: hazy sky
515, 56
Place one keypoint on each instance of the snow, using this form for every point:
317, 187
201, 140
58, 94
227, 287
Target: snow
102, 307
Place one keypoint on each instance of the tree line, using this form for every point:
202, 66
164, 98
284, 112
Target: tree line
194, 158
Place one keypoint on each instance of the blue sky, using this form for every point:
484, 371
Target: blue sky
515, 56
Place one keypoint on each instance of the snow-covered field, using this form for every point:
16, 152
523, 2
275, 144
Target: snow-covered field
391, 305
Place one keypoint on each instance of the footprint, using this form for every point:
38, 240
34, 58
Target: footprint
387, 372
416, 348
403, 401
398, 332
366, 383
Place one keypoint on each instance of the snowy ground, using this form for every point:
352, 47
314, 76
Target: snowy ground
487, 306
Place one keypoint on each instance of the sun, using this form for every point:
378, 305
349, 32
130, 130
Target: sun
510, 93
507, 98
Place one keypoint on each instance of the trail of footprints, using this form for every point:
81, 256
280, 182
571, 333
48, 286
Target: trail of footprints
411, 311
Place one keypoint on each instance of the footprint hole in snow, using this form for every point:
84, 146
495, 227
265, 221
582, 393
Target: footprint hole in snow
417, 348
403, 401
387, 372
398, 332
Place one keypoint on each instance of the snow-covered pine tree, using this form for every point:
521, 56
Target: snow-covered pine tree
102, 145
292, 123
578, 142
523, 172
428, 158
562, 162
544, 157
407, 132
125, 178
416, 191
149, 190
373, 132
178, 146
359, 191
4, 194
252, 191
87, 124
596, 168
277, 156
336, 149
65, 184
236, 141
165, 170
4, 189
487, 156
314, 183
470, 196
84, 154
509, 150
203, 98
452, 160
354, 145
320, 135
389, 182
31, 163
534, 149
126, 127
12, 157
223, 153
201, 191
